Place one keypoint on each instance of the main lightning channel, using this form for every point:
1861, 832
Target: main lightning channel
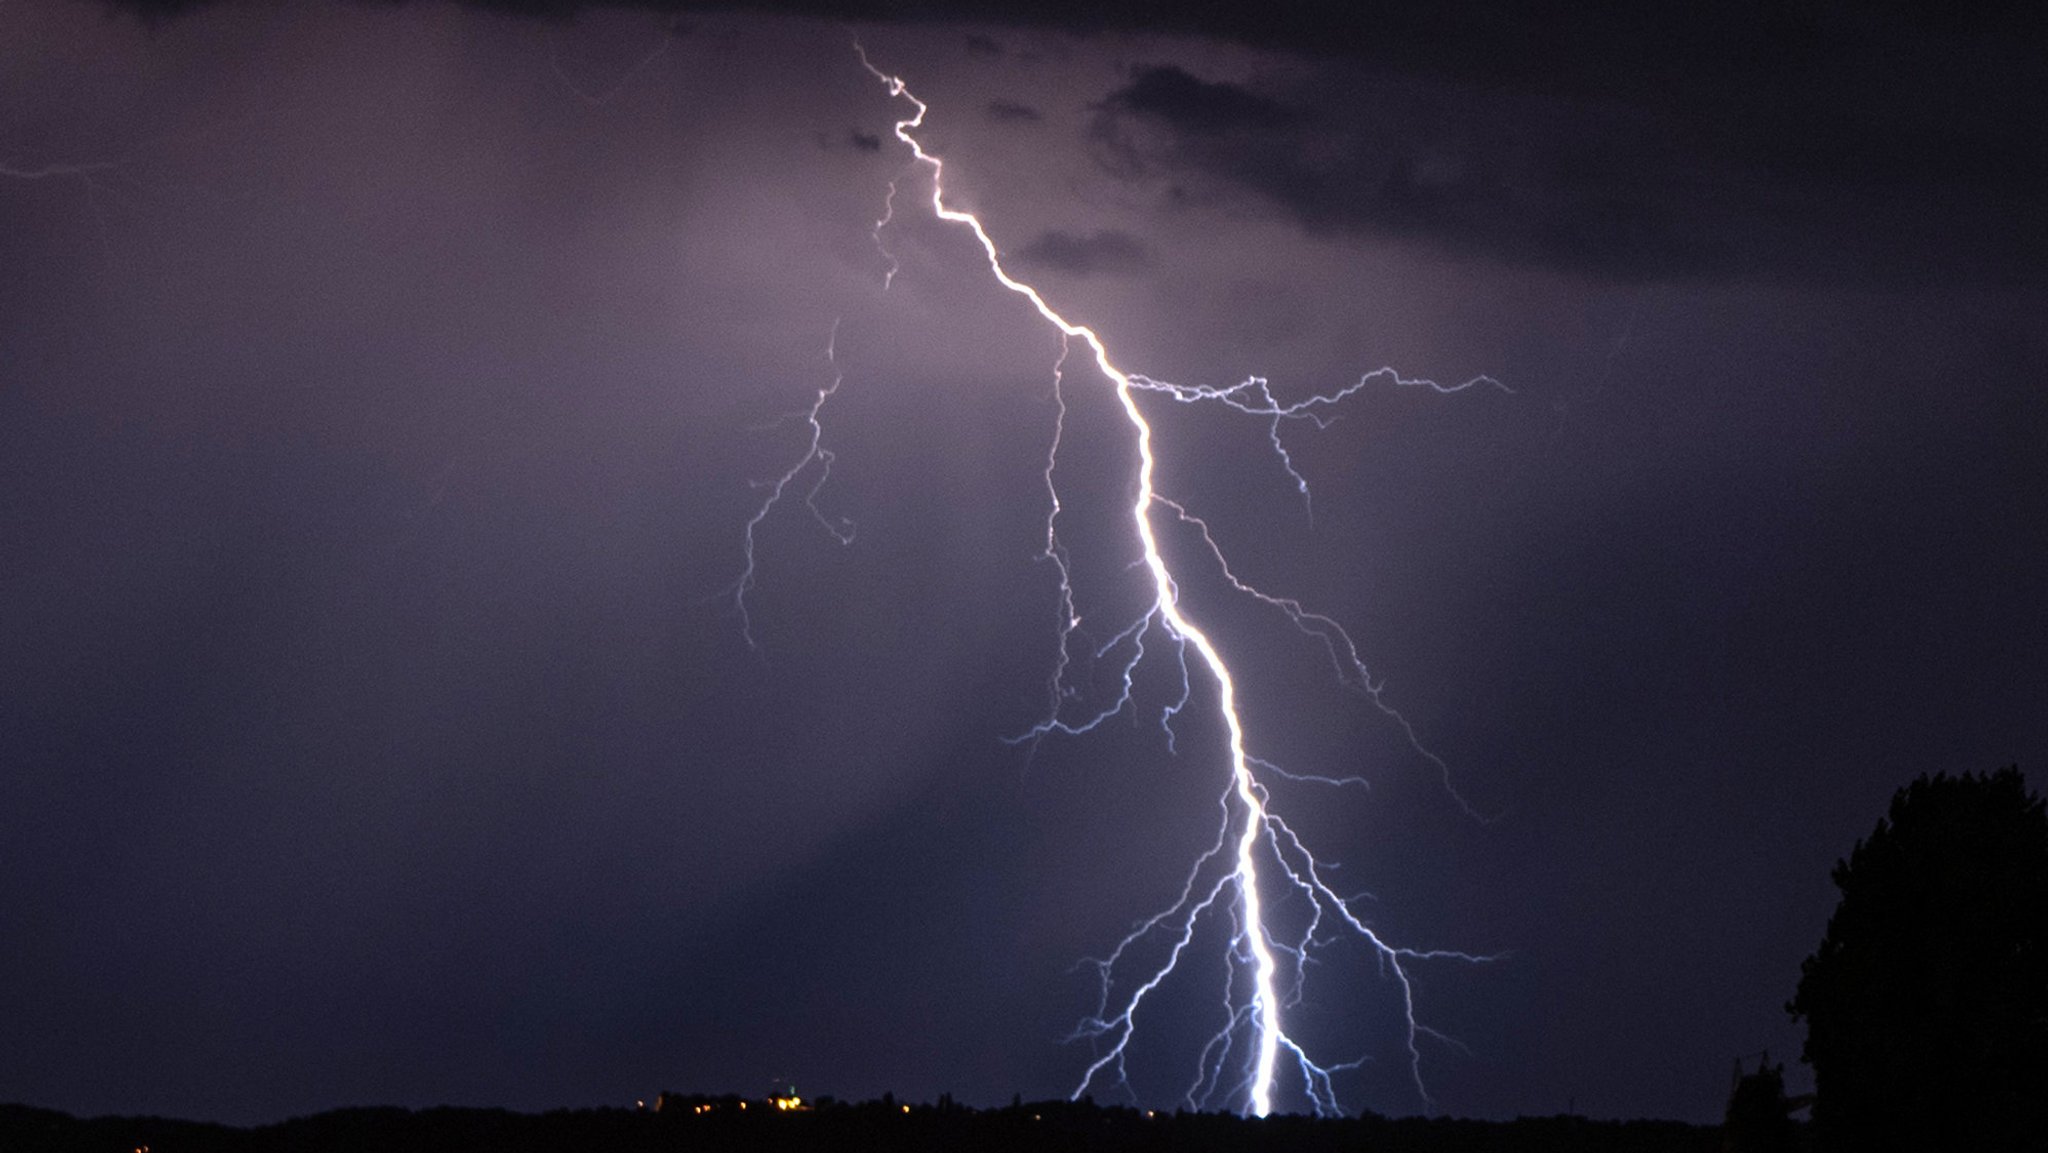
1265, 1001
1269, 959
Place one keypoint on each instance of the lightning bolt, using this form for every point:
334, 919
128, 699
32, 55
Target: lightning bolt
1254, 850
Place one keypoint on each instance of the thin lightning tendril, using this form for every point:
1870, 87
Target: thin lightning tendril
1265, 973
815, 451
1254, 397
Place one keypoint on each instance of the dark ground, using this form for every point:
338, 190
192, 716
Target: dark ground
873, 1125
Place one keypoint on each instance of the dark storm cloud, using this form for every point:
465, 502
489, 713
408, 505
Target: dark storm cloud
1618, 189
1192, 105
1008, 112
983, 46
1818, 142
865, 141
1104, 252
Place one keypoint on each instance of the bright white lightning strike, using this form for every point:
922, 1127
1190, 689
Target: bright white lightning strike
1274, 968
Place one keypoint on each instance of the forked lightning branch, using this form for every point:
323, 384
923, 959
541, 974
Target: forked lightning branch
1250, 1058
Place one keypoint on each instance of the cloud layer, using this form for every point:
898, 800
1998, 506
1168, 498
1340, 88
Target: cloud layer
1822, 142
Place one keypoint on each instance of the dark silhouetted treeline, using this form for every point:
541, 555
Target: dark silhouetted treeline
680, 1126
1926, 1004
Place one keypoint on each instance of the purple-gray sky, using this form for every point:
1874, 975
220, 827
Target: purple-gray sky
381, 388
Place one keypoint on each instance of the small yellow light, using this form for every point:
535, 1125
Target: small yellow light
906, 1108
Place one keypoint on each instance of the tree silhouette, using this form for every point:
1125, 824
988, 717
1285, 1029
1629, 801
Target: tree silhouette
1759, 1116
1926, 1005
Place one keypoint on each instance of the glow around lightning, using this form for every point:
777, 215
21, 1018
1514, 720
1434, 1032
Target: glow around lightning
1242, 1062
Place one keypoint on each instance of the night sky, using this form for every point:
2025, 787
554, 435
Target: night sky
384, 390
